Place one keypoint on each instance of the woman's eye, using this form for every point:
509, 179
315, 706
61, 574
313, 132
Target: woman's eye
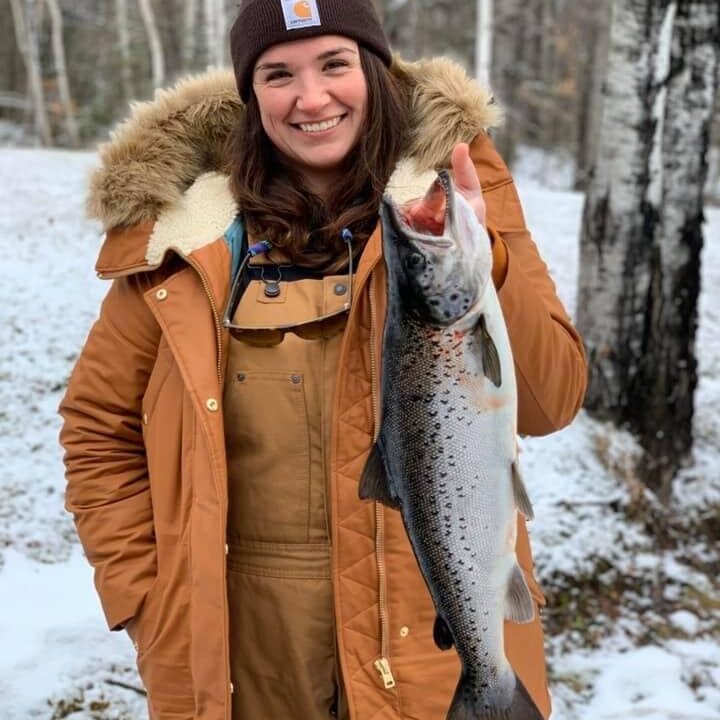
335, 65
277, 76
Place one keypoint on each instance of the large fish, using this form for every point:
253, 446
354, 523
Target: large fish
446, 451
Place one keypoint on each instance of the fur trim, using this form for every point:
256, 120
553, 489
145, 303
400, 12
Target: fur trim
165, 145
446, 107
408, 183
169, 142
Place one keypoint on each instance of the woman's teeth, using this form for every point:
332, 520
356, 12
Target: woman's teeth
319, 127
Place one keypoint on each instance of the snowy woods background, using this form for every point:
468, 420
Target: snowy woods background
613, 132
68, 68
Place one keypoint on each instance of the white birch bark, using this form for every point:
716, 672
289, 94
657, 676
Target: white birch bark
642, 232
121, 17
25, 20
211, 32
61, 69
221, 44
483, 41
591, 105
190, 34
156, 49
612, 289
414, 26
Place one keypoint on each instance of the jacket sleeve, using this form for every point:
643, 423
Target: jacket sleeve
107, 480
550, 362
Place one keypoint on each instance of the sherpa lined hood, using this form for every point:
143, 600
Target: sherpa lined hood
162, 173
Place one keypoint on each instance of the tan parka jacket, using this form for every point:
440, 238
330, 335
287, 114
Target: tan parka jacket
143, 423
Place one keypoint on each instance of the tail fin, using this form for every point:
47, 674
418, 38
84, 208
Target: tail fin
467, 705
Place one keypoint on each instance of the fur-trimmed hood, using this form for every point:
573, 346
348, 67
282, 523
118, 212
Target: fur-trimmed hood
154, 157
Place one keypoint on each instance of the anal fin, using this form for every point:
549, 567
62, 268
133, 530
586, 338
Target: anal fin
375, 482
519, 605
441, 634
522, 500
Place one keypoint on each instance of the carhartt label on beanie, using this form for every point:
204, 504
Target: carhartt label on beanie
260, 24
300, 14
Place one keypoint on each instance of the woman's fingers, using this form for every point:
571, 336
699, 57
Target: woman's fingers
466, 179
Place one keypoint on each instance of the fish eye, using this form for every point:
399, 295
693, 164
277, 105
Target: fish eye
415, 261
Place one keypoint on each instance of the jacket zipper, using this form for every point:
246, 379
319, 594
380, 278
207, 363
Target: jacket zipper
382, 664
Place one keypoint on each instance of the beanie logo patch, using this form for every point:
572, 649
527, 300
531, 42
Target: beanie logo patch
300, 14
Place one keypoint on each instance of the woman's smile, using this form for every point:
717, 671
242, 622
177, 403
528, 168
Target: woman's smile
318, 127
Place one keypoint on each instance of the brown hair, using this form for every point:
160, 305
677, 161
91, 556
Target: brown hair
272, 197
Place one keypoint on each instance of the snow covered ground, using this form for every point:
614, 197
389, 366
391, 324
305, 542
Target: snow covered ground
58, 661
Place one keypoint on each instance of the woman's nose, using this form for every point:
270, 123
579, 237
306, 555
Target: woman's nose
313, 96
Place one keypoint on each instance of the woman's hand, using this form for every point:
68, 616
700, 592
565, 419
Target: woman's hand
428, 214
466, 180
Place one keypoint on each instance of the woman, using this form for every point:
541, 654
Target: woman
218, 419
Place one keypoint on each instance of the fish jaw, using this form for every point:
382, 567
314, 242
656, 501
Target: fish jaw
440, 270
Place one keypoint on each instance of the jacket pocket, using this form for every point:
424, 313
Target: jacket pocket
268, 451
162, 636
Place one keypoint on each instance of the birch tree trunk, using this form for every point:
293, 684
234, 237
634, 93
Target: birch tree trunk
121, 16
156, 49
221, 41
642, 225
380, 9
483, 41
61, 69
25, 20
211, 32
591, 103
189, 48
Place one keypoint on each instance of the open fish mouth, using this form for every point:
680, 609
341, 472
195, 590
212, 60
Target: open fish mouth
417, 221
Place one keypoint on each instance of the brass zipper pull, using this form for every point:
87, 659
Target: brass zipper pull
383, 667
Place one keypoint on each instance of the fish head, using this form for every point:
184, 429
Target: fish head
438, 253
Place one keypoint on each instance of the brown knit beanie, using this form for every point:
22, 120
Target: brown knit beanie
264, 23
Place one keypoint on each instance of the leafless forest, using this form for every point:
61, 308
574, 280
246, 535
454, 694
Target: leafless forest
68, 68
622, 92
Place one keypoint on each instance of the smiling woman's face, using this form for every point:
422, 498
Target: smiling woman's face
312, 96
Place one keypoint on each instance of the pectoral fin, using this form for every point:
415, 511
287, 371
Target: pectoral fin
490, 356
522, 501
519, 605
441, 634
375, 481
